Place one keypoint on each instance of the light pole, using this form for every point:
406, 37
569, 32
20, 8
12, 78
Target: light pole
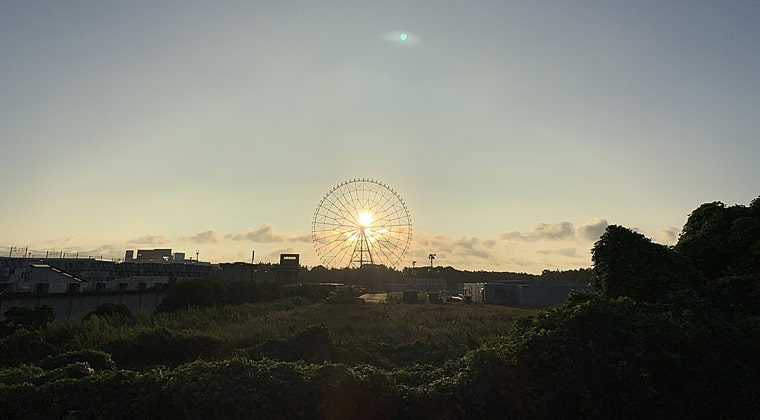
432, 257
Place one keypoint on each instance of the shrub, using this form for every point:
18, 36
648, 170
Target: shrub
29, 319
24, 347
163, 346
241, 388
20, 374
110, 310
96, 359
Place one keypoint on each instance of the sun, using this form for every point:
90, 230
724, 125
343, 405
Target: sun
365, 219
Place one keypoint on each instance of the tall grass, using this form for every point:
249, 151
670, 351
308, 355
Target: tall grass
385, 335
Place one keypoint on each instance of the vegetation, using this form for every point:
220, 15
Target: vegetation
379, 277
26, 319
672, 332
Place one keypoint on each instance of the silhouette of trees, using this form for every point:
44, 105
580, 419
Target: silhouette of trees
29, 319
722, 241
626, 263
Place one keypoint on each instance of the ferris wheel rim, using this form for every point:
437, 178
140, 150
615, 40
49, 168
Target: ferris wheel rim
336, 224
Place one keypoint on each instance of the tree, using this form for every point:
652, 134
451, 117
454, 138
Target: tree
27, 318
722, 241
626, 263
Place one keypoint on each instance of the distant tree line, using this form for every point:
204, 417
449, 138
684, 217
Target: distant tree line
381, 276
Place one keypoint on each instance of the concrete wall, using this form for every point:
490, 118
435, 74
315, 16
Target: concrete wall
543, 295
520, 294
73, 307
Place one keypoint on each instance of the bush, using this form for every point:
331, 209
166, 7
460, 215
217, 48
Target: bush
163, 347
311, 345
110, 310
24, 347
27, 318
599, 358
216, 292
20, 375
360, 393
241, 388
96, 359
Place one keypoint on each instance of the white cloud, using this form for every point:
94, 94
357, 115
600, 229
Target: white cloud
667, 235
264, 234
593, 229
268, 234
544, 231
474, 247
206, 237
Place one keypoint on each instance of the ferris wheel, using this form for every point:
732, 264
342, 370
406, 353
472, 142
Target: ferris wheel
361, 222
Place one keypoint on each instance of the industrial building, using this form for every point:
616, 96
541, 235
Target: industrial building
520, 294
151, 269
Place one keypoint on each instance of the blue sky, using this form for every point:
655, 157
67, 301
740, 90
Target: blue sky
514, 131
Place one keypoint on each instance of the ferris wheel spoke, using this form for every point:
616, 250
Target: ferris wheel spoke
386, 203
342, 239
349, 210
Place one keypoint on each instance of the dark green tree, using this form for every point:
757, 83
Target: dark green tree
626, 263
722, 241
29, 319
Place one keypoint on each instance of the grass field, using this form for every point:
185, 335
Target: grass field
383, 335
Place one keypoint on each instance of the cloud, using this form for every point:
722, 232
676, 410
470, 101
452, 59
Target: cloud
546, 231
264, 234
593, 229
452, 251
206, 237
149, 240
268, 234
667, 235
474, 247
521, 262
275, 254
302, 239
567, 252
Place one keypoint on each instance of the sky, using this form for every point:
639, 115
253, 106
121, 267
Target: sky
514, 131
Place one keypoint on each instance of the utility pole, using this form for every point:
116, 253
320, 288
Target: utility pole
432, 257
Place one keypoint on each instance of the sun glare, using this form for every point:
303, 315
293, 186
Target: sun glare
365, 219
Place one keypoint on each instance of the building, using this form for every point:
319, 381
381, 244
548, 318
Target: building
160, 255
43, 279
241, 271
21, 275
520, 294
287, 270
